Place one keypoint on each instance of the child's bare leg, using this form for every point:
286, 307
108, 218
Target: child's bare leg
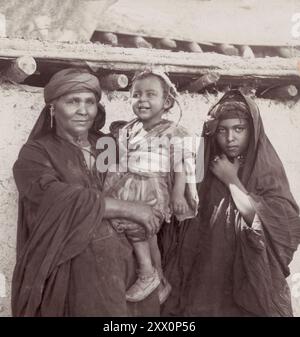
148, 279
155, 255
143, 256
164, 287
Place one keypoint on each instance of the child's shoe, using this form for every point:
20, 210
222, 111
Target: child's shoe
164, 290
143, 287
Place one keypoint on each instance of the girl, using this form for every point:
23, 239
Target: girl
232, 259
153, 170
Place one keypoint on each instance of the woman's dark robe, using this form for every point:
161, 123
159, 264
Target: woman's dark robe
216, 263
70, 262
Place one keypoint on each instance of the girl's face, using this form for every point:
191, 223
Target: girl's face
148, 99
75, 112
233, 136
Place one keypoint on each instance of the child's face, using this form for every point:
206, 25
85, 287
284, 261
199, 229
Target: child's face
148, 99
233, 136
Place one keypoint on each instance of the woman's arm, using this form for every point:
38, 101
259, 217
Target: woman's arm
35, 177
227, 172
145, 215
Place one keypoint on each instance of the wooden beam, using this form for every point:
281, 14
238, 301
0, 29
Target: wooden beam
284, 52
193, 47
227, 49
262, 83
106, 38
19, 69
288, 52
273, 69
134, 41
114, 82
166, 44
203, 82
246, 52
237, 74
141, 42
280, 92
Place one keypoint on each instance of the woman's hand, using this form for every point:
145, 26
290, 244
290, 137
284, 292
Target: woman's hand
148, 217
224, 170
145, 215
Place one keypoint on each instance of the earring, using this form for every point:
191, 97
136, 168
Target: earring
51, 115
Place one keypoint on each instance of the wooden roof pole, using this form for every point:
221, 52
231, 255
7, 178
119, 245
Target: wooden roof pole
280, 92
166, 43
246, 52
227, 49
134, 41
114, 82
19, 69
106, 38
203, 82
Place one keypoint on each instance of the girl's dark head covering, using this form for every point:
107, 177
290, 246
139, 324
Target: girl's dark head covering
234, 105
65, 82
231, 105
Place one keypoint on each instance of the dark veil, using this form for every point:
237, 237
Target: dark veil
261, 252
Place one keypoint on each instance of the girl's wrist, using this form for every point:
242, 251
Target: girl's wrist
232, 181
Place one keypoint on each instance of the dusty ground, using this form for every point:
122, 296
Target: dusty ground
20, 108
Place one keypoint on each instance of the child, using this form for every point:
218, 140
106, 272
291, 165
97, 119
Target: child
148, 172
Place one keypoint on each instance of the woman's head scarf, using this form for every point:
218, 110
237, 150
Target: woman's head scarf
71, 80
64, 82
232, 105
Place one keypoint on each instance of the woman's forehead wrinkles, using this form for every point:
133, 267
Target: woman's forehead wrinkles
79, 95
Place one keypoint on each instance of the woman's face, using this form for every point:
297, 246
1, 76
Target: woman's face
75, 112
233, 136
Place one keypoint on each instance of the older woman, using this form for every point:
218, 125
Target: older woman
232, 259
70, 262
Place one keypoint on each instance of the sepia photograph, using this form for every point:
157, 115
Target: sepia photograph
150, 159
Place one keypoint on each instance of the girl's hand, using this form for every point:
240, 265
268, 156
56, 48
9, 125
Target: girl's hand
179, 204
224, 170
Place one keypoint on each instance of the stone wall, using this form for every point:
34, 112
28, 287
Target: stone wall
20, 106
